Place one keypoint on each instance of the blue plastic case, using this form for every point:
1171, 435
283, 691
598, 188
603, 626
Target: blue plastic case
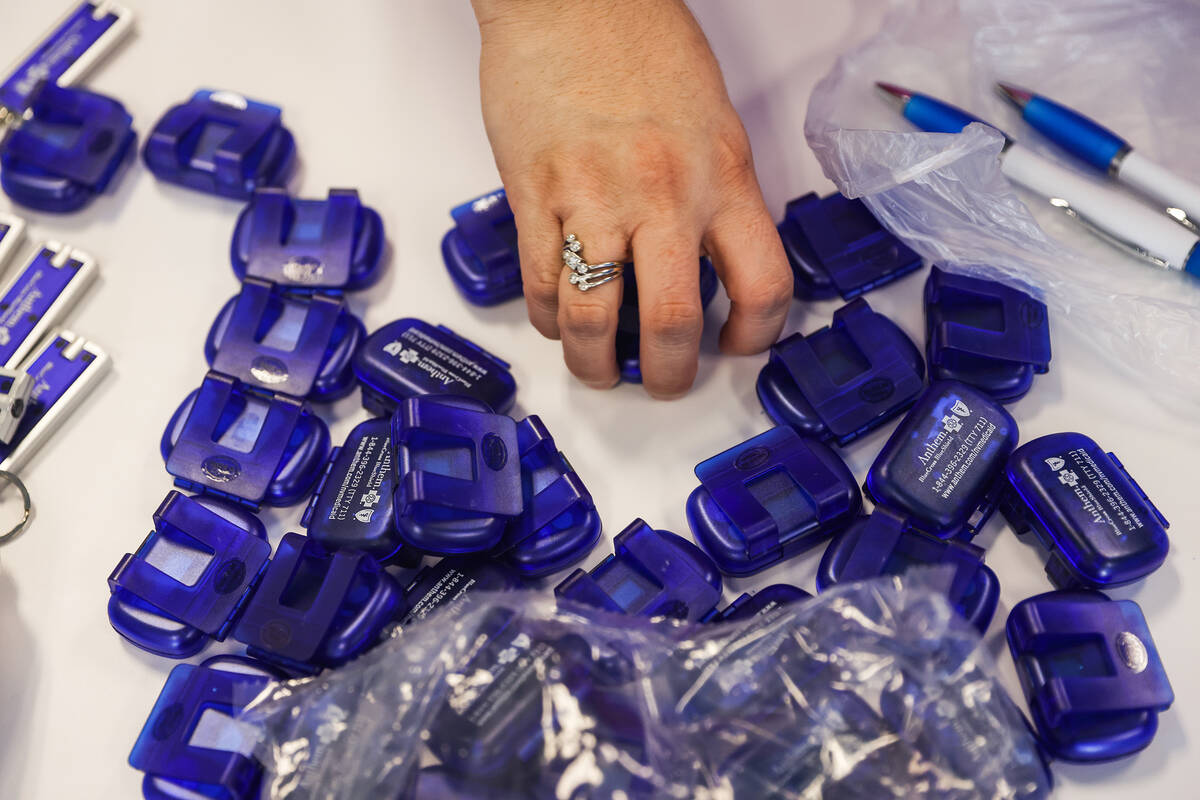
651, 573
844, 380
943, 464
314, 608
449, 581
410, 358
351, 508
985, 334
1098, 526
480, 251
309, 245
221, 143
837, 247
885, 543
458, 474
1090, 672
191, 744
229, 440
559, 523
767, 602
769, 498
629, 325
67, 150
281, 342
189, 578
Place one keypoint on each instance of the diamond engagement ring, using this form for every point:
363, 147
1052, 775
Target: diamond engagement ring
584, 275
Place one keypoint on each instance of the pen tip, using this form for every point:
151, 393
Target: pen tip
1014, 94
893, 93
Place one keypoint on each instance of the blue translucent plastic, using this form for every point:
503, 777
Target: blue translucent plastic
191, 742
67, 151
651, 574
933, 115
309, 245
559, 523
1090, 672
276, 341
943, 465
837, 247
351, 508
458, 474
189, 578
769, 498
221, 143
480, 251
766, 602
410, 358
228, 440
450, 581
885, 543
1077, 134
71, 38
41, 283
629, 325
844, 380
986, 334
1097, 525
314, 608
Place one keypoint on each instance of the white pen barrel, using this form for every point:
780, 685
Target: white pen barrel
1104, 206
1158, 182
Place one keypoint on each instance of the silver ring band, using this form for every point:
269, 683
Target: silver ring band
11, 534
584, 275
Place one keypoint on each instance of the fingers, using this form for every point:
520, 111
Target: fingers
671, 315
539, 241
587, 320
750, 261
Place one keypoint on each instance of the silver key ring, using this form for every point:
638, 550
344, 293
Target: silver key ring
5, 538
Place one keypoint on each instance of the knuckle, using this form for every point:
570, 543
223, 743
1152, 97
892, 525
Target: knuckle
769, 295
541, 289
584, 319
732, 147
661, 172
675, 321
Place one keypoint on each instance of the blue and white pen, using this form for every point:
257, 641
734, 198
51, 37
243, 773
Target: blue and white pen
1107, 152
1111, 214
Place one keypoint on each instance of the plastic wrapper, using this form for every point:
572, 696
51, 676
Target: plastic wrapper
876, 689
1127, 63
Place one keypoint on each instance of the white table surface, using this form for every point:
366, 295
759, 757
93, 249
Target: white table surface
383, 96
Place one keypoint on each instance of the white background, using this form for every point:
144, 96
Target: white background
383, 96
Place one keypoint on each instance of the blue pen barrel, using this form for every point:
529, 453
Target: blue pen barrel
1095, 144
935, 116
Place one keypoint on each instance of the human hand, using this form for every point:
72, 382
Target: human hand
609, 120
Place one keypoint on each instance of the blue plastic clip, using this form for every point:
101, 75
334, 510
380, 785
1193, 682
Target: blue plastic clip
410, 358
768, 603
221, 143
188, 579
315, 609
629, 325
836, 246
458, 474
480, 251
191, 744
943, 463
844, 380
34, 300
66, 150
229, 440
281, 342
1090, 672
1098, 526
309, 245
884, 543
651, 573
769, 498
984, 333
559, 524
451, 580
351, 508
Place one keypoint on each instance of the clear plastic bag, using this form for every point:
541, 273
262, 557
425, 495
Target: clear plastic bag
876, 689
1126, 62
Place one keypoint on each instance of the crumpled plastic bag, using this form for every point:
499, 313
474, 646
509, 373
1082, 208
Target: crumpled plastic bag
876, 689
1127, 63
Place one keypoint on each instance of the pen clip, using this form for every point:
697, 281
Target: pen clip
1180, 216
1125, 245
